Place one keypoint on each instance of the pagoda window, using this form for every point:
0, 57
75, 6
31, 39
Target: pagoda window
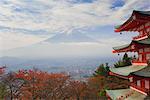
146, 49
140, 57
141, 51
147, 56
147, 84
139, 83
148, 29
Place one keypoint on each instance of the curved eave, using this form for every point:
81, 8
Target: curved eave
137, 18
125, 71
125, 94
142, 76
145, 41
121, 76
130, 47
123, 48
125, 24
145, 72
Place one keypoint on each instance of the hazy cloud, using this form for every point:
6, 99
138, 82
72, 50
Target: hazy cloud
25, 22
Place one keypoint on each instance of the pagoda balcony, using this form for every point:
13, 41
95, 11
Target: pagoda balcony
138, 62
140, 37
138, 88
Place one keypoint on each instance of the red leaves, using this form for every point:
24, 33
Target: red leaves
36, 84
2, 70
39, 84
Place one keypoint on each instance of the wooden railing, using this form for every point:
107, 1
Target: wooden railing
139, 88
137, 61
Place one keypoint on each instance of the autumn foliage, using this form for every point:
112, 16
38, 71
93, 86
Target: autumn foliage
39, 85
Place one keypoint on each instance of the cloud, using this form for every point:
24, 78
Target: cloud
66, 50
61, 50
33, 18
11, 40
60, 15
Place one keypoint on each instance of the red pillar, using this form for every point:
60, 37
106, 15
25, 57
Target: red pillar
143, 83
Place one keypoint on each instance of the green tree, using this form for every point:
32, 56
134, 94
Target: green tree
3, 91
126, 61
102, 70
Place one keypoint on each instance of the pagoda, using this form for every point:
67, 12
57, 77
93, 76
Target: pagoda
139, 72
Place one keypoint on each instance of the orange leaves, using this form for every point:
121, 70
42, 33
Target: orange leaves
56, 86
39, 84
36, 85
40, 75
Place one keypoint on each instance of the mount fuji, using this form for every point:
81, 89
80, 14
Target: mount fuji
70, 38
60, 46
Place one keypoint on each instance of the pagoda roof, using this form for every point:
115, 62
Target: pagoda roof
125, 71
146, 13
121, 47
145, 41
128, 47
145, 72
125, 94
137, 19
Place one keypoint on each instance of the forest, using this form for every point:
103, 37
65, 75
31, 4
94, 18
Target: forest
38, 85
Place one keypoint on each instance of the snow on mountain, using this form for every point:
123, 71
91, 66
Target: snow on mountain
73, 37
60, 46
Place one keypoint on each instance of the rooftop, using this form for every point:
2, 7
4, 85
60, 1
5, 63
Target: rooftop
125, 71
137, 19
125, 94
127, 47
145, 72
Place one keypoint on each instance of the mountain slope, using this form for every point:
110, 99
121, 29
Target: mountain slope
73, 37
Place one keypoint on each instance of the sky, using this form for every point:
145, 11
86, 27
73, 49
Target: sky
24, 23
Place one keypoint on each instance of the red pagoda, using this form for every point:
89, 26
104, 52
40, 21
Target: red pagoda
139, 72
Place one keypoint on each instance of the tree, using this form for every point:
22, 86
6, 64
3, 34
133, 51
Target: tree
100, 81
3, 91
126, 61
102, 70
12, 85
42, 85
97, 84
57, 86
77, 89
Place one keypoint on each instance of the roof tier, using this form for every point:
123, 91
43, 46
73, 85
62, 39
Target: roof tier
137, 19
125, 94
131, 47
125, 71
145, 72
